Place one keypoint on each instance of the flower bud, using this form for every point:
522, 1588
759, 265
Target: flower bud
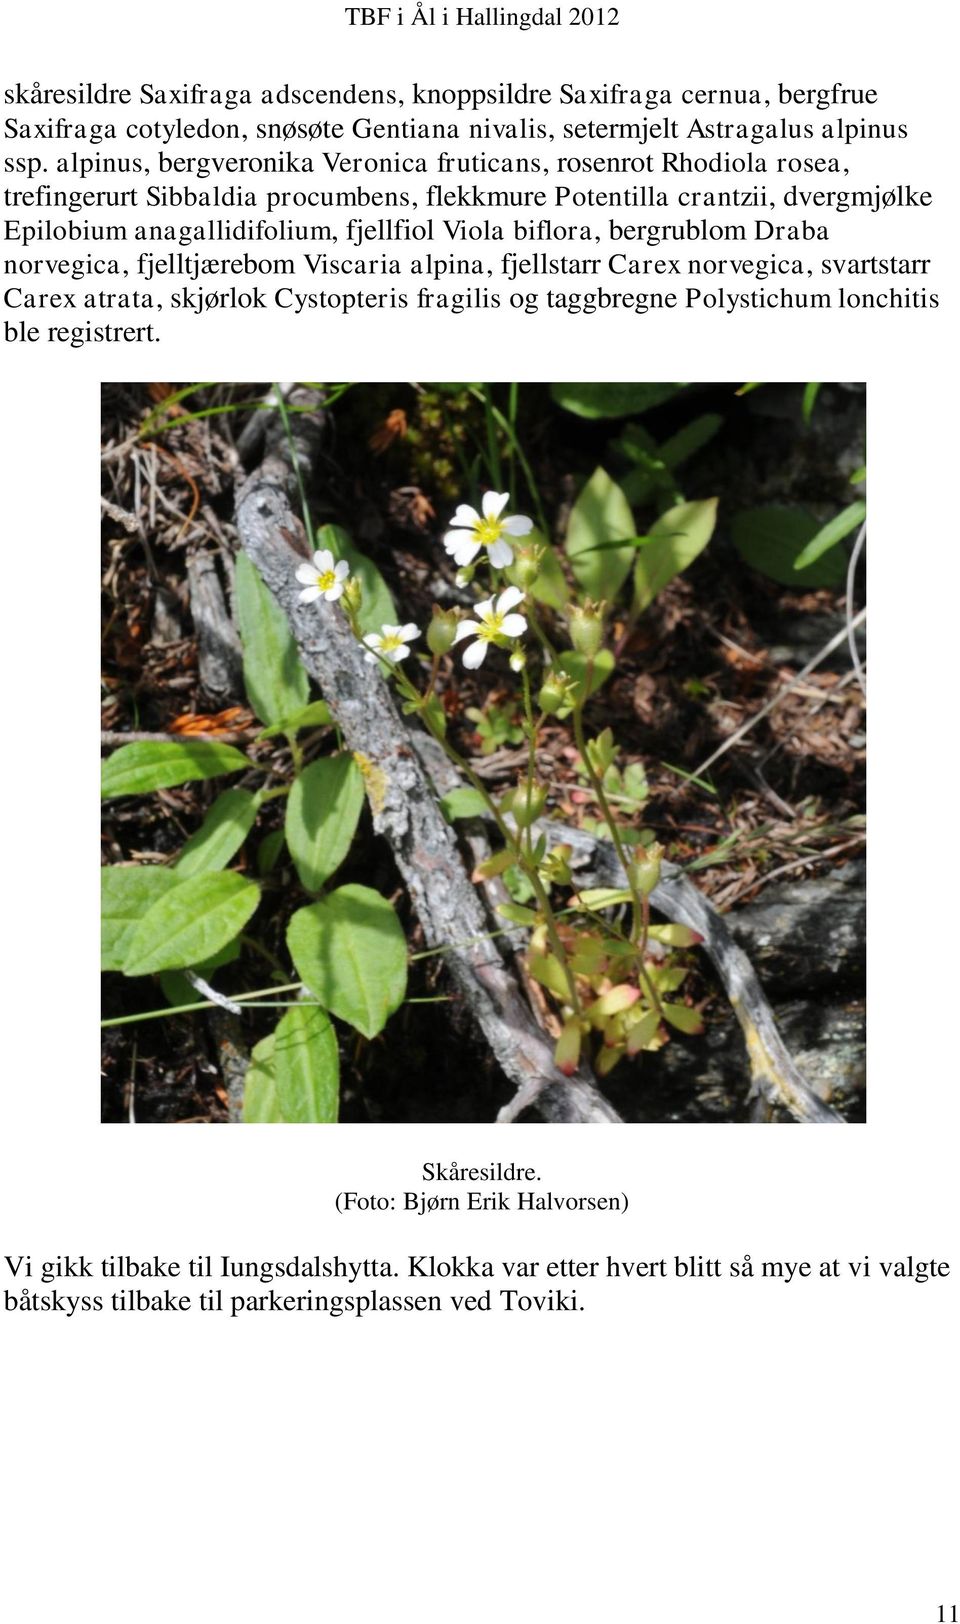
526, 565
586, 628
555, 868
442, 630
464, 576
528, 801
645, 868
554, 693
352, 595
518, 660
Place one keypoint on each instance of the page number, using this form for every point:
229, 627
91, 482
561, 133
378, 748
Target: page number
948, 1614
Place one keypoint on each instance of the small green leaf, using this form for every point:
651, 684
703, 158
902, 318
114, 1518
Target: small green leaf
463, 803
810, 393
221, 834
350, 951
612, 399
603, 896
190, 923
276, 683
136, 769
771, 539
315, 715
684, 1019
600, 515
548, 970
377, 607
306, 1066
323, 809
260, 1103
126, 894
851, 518
675, 935
687, 441
516, 914
497, 863
676, 539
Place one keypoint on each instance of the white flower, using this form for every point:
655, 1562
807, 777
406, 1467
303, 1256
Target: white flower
470, 530
323, 578
495, 625
390, 643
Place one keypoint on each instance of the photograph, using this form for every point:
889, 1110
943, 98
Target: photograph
483, 752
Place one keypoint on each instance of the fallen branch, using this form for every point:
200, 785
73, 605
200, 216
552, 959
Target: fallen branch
403, 800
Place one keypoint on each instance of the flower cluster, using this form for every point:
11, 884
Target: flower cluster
470, 530
496, 624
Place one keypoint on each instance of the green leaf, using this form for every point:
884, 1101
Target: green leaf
550, 586
463, 803
269, 850
603, 896
682, 446
178, 990
306, 1066
810, 393
612, 399
600, 514
377, 607
517, 914
136, 769
323, 809
547, 969
221, 834
574, 666
276, 683
125, 896
260, 1103
350, 952
190, 923
771, 539
315, 715
851, 518
676, 539
684, 1019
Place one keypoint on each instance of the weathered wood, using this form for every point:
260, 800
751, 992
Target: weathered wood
403, 800
219, 655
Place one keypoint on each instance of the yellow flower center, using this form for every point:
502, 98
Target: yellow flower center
490, 627
390, 642
488, 531
327, 580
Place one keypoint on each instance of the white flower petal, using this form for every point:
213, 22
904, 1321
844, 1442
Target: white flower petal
475, 654
409, 632
310, 594
465, 628
373, 639
396, 654
513, 626
341, 569
500, 554
494, 503
509, 598
516, 525
461, 546
323, 560
485, 609
466, 515
307, 574
371, 659
334, 592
